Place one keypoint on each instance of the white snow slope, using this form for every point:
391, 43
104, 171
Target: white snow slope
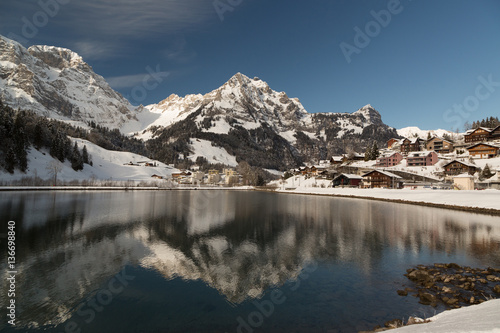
213, 154
483, 317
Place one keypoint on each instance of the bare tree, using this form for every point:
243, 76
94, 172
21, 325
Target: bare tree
54, 167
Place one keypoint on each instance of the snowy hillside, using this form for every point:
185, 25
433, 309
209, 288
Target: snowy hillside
107, 165
57, 83
212, 154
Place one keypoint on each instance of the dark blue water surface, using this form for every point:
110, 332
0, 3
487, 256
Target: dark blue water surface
225, 261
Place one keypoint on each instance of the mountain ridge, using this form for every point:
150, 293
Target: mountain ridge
244, 116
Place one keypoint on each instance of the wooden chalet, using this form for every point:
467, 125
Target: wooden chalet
478, 134
391, 142
455, 167
439, 145
495, 133
483, 150
381, 179
334, 160
347, 179
408, 145
177, 175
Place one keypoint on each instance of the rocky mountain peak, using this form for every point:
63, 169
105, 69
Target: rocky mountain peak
57, 57
57, 83
370, 114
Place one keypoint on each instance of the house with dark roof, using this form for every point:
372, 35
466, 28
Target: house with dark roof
347, 179
381, 179
456, 167
409, 145
478, 134
440, 146
483, 150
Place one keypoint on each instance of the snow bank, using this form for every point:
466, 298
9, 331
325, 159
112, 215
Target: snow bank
488, 199
483, 317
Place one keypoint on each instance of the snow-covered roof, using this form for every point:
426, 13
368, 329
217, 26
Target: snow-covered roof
475, 129
463, 175
462, 162
389, 154
483, 143
349, 175
440, 139
419, 153
389, 174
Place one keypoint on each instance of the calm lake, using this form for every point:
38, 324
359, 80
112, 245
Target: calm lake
225, 261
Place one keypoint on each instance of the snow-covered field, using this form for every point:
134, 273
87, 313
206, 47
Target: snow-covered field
483, 317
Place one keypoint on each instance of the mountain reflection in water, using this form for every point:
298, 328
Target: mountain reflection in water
241, 244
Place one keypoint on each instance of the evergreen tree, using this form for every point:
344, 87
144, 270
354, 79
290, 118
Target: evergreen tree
368, 154
38, 136
76, 159
486, 173
20, 141
10, 160
85, 155
375, 152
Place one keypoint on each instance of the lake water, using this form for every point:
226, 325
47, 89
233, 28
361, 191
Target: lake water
225, 261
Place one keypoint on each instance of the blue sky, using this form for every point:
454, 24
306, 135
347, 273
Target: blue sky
432, 64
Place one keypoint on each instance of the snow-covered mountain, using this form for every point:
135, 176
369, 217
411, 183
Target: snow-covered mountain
251, 121
57, 83
413, 132
248, 103
244, 119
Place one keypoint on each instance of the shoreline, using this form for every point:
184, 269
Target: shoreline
112, 188
470, 209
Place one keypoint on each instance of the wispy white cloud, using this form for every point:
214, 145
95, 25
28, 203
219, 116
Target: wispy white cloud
90, 50
113, 28
132, 18
129, 81
178, 51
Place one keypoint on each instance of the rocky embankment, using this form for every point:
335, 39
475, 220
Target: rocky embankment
450, 285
